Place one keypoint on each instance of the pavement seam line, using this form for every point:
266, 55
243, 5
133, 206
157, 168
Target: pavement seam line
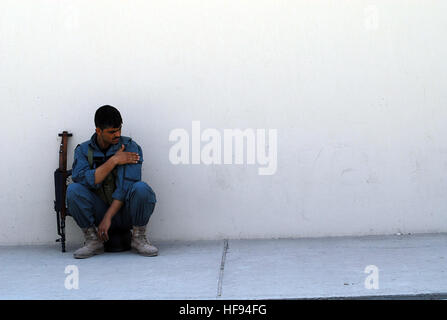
222, 267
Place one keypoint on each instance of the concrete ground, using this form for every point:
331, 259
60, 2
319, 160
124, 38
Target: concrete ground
406, 266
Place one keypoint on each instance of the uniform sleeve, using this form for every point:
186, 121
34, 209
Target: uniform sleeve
81, 170
128, 174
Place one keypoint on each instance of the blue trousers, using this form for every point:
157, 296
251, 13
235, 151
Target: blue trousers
87, 209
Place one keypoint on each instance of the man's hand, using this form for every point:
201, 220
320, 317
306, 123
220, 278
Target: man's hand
103, 228
107, 220
122, 157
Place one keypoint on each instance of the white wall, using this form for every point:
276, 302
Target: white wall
356, 90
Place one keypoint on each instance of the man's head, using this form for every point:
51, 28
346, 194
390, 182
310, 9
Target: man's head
108, 125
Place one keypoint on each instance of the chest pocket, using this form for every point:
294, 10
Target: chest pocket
108, 186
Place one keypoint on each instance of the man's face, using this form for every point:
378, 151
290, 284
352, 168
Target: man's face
109, 135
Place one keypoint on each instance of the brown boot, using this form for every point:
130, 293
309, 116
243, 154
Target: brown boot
91, 246
140, 244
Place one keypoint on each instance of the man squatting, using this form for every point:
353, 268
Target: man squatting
107, 190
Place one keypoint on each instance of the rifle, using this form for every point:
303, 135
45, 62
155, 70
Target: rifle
61, 175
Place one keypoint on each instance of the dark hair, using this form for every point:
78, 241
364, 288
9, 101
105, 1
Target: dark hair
107, 117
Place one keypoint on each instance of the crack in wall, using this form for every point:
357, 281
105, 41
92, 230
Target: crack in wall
222, 267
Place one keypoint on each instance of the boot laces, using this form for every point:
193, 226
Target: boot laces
141, 236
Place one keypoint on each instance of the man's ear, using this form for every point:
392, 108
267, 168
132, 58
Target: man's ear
98, 131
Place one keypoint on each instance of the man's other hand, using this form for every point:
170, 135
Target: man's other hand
123, 157
103, 228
